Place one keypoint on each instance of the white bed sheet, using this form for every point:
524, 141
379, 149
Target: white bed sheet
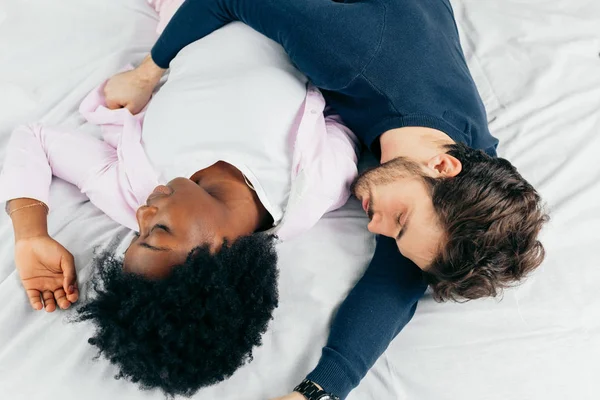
537, 65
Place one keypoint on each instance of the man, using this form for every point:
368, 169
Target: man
465, 222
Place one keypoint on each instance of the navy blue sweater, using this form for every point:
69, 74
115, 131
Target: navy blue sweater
381, 64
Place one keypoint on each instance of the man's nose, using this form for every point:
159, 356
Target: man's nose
144, 216
380, 226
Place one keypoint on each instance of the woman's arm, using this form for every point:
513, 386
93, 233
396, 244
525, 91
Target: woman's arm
28, 217
325, 158
36, 153
340, 159
46, 268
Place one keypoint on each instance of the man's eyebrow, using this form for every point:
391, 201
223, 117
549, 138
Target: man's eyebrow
146, 245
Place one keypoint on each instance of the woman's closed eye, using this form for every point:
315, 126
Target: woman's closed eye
161, 227
157, 226
151, 242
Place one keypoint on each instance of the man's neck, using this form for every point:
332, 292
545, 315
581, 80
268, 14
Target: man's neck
415, 142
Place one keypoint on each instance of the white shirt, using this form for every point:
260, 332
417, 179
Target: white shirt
261, 94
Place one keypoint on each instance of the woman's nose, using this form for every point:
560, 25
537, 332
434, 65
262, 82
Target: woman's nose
144, 216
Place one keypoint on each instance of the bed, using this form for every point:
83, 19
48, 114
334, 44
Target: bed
537, 65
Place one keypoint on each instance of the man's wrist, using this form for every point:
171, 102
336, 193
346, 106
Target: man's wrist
311, 391
150, 72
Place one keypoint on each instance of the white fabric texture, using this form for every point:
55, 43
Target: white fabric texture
537, 66
229, 98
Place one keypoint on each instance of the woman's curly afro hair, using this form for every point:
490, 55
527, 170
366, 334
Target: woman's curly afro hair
192, 329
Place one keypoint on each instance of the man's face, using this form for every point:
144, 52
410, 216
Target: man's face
398, 202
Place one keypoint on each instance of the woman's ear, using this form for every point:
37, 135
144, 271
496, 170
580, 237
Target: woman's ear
444, 165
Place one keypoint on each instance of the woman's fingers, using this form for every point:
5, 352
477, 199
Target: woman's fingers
51, 299
35, 299
49, 302
74, 296
67, 265
61, 299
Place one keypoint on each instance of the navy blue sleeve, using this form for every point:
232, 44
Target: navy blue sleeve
307, 30
285, 22
375, 311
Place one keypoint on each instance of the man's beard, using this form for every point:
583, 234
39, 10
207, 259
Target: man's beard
388, 172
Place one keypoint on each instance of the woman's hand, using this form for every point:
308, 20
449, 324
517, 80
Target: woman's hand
292, 396
46, 269
133, 89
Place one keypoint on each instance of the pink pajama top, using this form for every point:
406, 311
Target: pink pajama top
117, 177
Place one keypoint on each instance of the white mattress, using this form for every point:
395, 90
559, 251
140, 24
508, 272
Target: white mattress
537, 65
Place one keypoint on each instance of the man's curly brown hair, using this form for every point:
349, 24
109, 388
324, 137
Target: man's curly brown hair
491, 217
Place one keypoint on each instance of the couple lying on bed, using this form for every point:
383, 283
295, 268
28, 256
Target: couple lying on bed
248, 153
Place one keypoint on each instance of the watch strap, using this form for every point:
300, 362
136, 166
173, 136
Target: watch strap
312, 392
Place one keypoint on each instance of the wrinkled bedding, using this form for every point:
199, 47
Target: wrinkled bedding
537, 66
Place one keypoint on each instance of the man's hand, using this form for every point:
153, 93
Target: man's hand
133, 89
291, 396
46, 269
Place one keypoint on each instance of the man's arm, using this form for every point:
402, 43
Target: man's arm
277, 20
318, 35
375, 311
307, 30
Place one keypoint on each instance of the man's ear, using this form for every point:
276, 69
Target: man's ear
445, 166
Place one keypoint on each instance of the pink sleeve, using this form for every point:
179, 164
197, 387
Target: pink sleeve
165, 9
339, 160
36, 153
26, 172
325, 165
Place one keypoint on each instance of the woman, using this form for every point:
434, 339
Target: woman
234, 150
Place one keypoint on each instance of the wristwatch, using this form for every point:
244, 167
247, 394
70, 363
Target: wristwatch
312, 392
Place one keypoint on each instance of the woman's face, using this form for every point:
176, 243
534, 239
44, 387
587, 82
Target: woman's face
177, 218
